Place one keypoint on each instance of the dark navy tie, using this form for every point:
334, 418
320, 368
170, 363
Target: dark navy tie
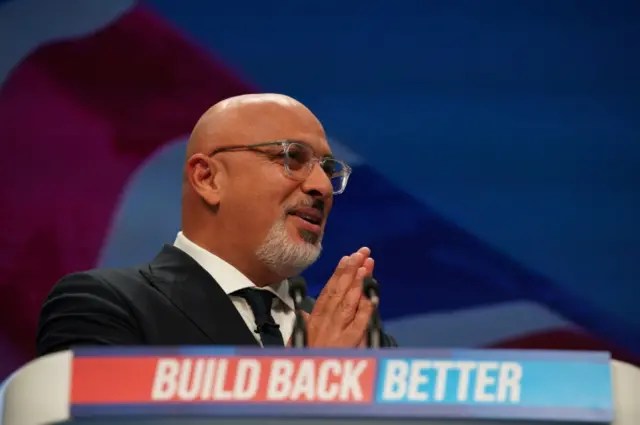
260, 302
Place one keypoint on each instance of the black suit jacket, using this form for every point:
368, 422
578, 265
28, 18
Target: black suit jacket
170, 301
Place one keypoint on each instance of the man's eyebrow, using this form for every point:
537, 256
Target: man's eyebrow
302, 142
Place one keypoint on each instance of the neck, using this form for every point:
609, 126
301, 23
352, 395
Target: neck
245, 262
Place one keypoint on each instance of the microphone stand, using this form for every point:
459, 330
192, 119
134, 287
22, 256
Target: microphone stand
297, 292
299, 331
374, 328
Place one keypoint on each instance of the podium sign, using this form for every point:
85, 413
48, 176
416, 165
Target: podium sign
420, 384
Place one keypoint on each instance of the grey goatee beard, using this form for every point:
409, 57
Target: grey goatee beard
285, 256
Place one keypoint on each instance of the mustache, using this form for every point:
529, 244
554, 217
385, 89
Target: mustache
318, 204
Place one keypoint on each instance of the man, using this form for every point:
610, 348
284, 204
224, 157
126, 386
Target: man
258, 186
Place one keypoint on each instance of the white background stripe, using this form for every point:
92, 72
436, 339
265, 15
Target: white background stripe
476, 327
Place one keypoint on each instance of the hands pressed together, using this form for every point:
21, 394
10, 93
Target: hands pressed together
341, 313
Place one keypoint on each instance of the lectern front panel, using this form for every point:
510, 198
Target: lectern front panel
356, 384
240, 386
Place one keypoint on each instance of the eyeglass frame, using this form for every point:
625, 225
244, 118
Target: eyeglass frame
285, 144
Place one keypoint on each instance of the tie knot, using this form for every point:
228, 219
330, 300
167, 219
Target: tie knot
259, 300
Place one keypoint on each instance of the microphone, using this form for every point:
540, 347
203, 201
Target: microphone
297, 291
374, 329
370, 288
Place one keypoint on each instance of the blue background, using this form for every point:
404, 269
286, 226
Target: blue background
495, 144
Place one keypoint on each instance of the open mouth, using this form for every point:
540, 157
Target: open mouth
310, 215
308, 219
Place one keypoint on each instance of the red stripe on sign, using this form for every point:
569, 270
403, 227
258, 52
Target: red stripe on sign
222, 379
111, 380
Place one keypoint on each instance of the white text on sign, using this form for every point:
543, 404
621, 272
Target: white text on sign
451, 381
263, 379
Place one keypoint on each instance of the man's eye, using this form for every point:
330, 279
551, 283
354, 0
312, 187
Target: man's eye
329, 169
297, 156
276, 154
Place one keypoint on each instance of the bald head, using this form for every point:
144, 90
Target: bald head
239, 188
251, 118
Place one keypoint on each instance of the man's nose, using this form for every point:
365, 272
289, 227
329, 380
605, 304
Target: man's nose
318, 184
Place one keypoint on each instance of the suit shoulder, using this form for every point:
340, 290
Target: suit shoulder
87, 308
110, 281
92, 286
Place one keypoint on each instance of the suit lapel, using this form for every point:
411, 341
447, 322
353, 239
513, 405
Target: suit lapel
198, 296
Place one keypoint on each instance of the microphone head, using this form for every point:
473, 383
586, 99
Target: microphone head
297, 286
370, 285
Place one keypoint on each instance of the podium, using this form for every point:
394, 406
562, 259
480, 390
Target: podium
219, 385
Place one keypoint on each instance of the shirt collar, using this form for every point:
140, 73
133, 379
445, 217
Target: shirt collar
228, 277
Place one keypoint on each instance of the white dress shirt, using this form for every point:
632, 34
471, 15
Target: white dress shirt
231, 279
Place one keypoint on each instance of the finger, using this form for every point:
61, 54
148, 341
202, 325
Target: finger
339, 289
369, 263
365, 251
366, 254
337, 313
309, 323
349, 304
329, 290
359, 324
363, 341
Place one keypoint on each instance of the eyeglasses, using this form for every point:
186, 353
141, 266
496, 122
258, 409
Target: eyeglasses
298, 160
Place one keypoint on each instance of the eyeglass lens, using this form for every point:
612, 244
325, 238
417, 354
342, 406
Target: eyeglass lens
299, 160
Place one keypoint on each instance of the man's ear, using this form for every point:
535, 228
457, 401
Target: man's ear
202, 174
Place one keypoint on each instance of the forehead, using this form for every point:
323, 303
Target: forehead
273, 121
